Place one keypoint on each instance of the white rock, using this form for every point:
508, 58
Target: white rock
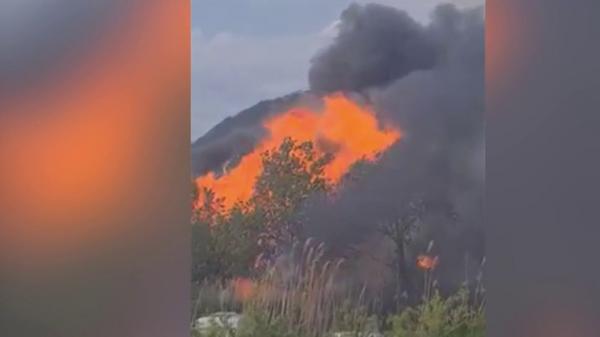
220, 319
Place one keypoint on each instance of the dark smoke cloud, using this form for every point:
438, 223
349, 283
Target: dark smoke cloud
375, 45
440, 160
429, 81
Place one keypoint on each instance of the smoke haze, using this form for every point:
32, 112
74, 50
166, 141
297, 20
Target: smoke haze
428, 80
438, 104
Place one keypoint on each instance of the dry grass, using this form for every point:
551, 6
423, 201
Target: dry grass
304, 293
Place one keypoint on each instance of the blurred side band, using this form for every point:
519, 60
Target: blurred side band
94, 180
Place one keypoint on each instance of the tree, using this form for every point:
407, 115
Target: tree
401, 232
229, 243
291, 174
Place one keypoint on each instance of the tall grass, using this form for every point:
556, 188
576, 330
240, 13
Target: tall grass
459, 315
305, 294
302, 295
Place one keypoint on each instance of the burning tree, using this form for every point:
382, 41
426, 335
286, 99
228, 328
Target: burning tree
349, 130
291, 173
229, 242
401, 233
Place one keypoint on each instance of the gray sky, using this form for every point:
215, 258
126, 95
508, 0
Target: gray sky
244, 51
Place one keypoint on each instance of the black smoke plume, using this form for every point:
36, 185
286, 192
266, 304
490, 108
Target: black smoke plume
374, 46
428, 80
434, 93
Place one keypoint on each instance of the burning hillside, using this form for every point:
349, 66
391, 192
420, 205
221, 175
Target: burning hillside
344, 129
424, 84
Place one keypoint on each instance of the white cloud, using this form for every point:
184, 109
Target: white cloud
331, 30
232, 72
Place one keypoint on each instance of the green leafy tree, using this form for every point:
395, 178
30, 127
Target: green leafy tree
226, 243
223, 245
291, 173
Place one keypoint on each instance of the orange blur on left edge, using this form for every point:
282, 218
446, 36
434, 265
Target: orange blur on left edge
71, 148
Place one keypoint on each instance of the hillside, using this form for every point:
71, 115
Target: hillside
236, 134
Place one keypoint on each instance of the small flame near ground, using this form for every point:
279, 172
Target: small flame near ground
353, 129
426, 262
243, 288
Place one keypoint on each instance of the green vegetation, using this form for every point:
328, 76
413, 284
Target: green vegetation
434, 317
289, 286
228, 243
439, 317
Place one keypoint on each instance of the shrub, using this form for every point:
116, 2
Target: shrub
439, 317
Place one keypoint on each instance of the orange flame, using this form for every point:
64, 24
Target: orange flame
243, 288
353, 129
426, 262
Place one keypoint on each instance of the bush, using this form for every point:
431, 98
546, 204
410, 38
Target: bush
438, 317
